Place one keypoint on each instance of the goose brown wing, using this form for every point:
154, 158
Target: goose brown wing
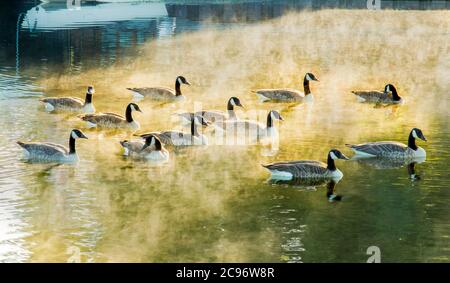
212, 115
161, 92
281, 94
69, 102
103, 118
44, 148
300, 168
371, 95
378, 148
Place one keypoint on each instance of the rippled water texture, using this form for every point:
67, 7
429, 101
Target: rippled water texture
214, 203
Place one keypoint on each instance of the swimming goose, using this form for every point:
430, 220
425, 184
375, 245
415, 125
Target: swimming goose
289, 95
392, 149
72, 104
151, 148
113, 120
177, 138
161, 93
132, 147
47, 151
389, 95
308, 168
254, 129
215, 115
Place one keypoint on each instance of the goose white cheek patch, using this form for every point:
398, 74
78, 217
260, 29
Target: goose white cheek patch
74, 135
179, 81
308, 77
333, 156
414, 134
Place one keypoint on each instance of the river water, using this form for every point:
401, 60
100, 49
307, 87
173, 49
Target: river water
215, 203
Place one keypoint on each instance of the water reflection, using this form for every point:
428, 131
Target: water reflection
393, 163
212, 204
312, 184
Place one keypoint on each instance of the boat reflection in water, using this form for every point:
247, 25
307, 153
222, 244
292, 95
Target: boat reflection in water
312, 184
392, 163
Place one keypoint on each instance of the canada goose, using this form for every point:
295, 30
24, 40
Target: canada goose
177, 138
72, 104
47, 151
288, 95
112, 120
161, 93
392, 149
150, 148
389, 95
308, 168
254, 129
215, 115
132, 147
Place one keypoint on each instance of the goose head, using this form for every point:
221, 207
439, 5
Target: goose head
200, 120
417, 134
336, 154
235, 102
134, 107
310, 77
182, 80
152, 140
90, 89
275, 115
77, 134
390, 88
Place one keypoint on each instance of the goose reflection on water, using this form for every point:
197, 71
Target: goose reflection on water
312, 184
392, 163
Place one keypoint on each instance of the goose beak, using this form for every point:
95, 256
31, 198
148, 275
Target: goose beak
83, 136
187, 83
423, 138
316, 80
344, 157
281, 118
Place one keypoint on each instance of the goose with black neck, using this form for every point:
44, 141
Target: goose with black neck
71, 104
51, 152
289, 95
113, 120
161, 93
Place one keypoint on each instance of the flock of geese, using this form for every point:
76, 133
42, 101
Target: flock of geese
152, 145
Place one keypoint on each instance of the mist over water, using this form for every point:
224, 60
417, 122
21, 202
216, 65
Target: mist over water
213, 203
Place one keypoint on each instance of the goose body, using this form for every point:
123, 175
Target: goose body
151, 149
215, 116
132, 147
51, 152
307, 168
391, 149
72, 104
287, 94
256, 131
161, 93
388, 96
113, 120
178, 138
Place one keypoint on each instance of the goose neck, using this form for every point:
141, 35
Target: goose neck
128, 115
306, 88
412, 142
71, 145
88, 98
330, 163
177, 88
